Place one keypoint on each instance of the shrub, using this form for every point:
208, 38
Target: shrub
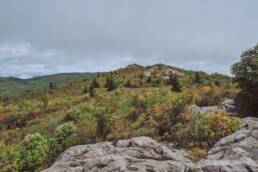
110, 84
64, 137
219, 125
179, 134
32, 152
138, 106
204, 129
95, 83
197, 153
179, 106
197, 78
128, 84
72, 116
91, 91
176, 83
86, 132
8, 158
102, 129
246, 76
211, 95
157, 119
85, 90
65, 133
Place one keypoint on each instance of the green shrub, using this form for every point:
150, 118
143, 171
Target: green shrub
102, 129
64, 137
178, 107
246, 75
72, 116
211, 128
110, 84
204, 129
65, 133
91, 91
179, 134
211, 95
95, 83
8, 158
176, 83
32, 152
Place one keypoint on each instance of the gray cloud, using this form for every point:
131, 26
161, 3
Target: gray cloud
49, 36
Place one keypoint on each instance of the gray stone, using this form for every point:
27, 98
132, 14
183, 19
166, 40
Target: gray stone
227, 105
205, 110
137, 154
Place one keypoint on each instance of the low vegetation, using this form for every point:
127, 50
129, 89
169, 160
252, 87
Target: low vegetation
153, 101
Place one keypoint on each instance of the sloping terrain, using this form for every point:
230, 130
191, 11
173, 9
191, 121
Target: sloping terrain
154, 101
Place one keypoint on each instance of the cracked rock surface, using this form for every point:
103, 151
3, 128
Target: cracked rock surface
136, 154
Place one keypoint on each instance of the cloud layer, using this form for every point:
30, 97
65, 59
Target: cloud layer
43, 37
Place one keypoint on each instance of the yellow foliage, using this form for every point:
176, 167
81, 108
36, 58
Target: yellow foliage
197, 153
206, 89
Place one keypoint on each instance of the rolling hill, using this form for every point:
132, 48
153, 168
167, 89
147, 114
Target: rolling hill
10, 86
133, 101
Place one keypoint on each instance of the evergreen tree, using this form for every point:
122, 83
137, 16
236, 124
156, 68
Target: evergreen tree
141, 76
175, 83
128, 84
111, 85
197, 78
85, 90
91, 91
51, 85
95, 83
107, 82
149, 80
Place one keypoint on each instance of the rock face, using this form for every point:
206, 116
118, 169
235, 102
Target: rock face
138, 154
235, 153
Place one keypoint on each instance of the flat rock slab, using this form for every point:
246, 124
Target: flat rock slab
137, 154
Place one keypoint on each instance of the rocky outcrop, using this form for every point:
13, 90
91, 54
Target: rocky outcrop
138, 154
235, 153
227, 105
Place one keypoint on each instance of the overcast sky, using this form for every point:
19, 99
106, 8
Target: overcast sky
51, 36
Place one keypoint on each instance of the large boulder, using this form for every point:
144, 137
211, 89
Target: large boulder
137, 154
235, 153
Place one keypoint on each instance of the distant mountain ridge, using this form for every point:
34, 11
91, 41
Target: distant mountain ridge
12, 86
